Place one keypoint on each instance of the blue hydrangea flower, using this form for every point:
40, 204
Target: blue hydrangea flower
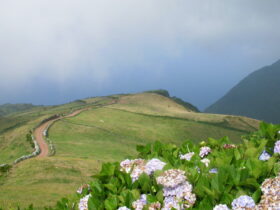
243, 201
277, 147
264, 156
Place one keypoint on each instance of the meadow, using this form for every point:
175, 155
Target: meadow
108, 131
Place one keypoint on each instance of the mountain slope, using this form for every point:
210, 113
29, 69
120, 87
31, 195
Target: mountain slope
107, 131
6, 109
256, 96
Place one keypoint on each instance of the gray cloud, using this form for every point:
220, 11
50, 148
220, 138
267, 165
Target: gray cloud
96, 47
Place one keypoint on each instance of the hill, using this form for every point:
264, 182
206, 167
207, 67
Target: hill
108, 130
6, 109
256, 96
174, 98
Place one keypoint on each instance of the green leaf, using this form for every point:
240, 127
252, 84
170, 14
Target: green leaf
145, 182
111, 203
108, 169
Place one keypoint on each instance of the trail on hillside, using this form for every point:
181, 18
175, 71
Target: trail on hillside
39, 133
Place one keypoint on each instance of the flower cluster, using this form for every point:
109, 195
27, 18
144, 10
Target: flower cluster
177, 191
271, 194
265, 156
140, 203
83, 204
206, 161
127, 165
81, 189
138, 166
221, 207
187, 156
229, 146
155, 206
171, 178
213, 171
204, 151
154, 165
277, 147
123, 208
243, 201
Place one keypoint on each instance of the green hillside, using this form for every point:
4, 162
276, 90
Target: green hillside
257, 96
6, 109
108, 131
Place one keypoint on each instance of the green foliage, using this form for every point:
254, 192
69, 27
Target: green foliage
29, 139
4, 168
240, 172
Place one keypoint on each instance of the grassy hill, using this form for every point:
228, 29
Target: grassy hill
256, 96
108, 131
6, 109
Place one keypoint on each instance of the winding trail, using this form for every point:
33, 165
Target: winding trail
39, 132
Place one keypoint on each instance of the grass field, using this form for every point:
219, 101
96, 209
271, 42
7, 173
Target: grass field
110, 134
101, 134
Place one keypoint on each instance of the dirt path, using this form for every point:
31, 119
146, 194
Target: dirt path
39, 133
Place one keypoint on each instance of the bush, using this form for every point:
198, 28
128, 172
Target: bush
29, 139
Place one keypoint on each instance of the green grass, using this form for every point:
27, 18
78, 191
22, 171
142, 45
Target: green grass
15, 126
43, 181
100, 134
109, 134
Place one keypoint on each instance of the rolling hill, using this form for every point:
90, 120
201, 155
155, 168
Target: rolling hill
256, 96
108, 130
6, 109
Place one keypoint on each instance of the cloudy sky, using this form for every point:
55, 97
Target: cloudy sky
53, 51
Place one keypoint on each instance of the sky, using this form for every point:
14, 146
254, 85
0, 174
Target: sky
53, 52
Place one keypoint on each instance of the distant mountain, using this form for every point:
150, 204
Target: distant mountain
6, 109
256, 96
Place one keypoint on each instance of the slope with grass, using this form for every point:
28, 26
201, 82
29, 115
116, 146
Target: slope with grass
108, 131
256, 96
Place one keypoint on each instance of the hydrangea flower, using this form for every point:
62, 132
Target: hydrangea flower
204, 151
137, 171
140, 203
85, 186
178, 190
138, 166
171, 178
83, 204
171, 202
271, 186
187, 156
243, 201
127, 164
206, 161
271, 194
123, 208
221, 207
155, 206
264, 156
154, 165
213, 171
277, 147
229, 146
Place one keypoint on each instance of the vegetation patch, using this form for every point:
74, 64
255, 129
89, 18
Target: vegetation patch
212, 174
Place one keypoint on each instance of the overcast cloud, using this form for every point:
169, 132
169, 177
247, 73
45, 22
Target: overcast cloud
57, 51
